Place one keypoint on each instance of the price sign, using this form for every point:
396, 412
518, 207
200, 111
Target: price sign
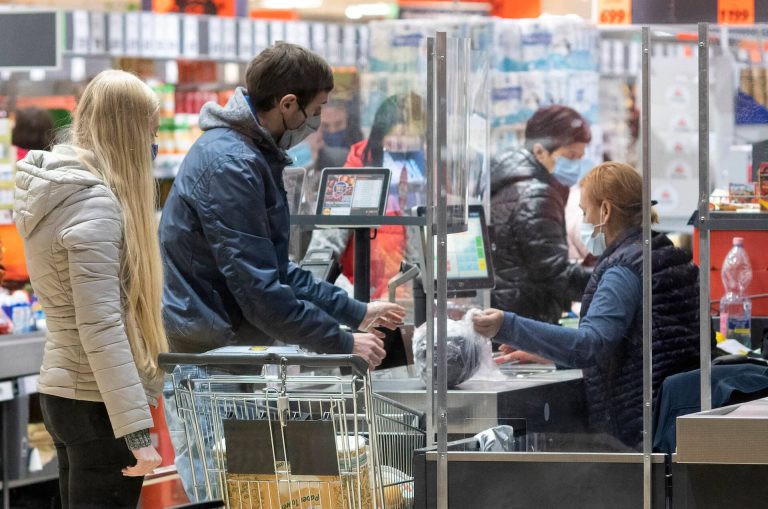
736, 12
614, 12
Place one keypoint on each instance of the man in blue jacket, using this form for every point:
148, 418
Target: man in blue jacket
225, 227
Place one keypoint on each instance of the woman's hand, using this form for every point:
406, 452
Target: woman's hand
509, 354
147, 459
488, 322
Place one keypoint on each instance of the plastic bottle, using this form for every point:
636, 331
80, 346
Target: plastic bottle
735, 306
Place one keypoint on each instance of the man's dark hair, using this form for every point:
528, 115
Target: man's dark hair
33, 129
286, 69
556, 126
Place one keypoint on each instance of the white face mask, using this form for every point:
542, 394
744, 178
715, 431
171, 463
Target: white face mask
595, 243
292, 137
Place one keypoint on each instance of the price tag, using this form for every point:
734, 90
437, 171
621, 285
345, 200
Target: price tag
614, 12
736, 12
6, 391
261, 36
215, 46
229, 28
98, 33
245, 39
81, 31
132, 34
116, 40
191, 32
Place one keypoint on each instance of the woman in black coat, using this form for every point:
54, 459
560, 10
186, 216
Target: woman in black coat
529, 190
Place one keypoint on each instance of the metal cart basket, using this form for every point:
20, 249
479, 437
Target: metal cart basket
260, 434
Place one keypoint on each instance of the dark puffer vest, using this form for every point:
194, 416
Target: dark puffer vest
534, 277
614, 387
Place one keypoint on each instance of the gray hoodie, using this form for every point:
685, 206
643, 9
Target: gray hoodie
72, 229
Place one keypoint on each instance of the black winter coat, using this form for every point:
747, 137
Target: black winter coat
534, 277
614, 387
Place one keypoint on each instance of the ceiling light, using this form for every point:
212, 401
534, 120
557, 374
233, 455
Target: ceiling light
291, 4
365, 10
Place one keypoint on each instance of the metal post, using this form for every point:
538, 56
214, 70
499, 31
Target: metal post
428, 279
442, 262
704, 263
647, 273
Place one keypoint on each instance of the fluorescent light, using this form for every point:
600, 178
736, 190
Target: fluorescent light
363, 10
291, 4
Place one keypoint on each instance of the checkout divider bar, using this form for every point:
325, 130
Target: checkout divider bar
548, 457
441, 329
704, 254
647, 273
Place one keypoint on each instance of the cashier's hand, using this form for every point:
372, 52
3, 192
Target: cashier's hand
382, 314
370, 348
509, 354
488, 322
147, 459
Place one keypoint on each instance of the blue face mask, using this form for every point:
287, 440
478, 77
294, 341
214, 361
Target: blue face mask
154, 149
301, 155
570, 171
337, 139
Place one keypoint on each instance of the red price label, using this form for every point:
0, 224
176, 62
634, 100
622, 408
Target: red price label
736, 12
614, 12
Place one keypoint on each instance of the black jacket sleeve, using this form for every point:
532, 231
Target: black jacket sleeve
546, 252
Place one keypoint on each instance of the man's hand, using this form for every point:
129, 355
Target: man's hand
509, 354
147, 459
370, 348
488, 322
382, 314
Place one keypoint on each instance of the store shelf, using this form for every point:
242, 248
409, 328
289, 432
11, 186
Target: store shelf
21, 354
719, 221
356, 221
20, 483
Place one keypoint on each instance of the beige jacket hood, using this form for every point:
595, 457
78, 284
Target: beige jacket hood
72, 230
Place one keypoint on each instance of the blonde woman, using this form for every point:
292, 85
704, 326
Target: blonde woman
86, 211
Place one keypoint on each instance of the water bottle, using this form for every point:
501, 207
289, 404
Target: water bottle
735, 306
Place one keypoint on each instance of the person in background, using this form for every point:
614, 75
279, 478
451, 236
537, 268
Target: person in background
396, 142
86, 211
33, 130
338, 126
529, 189
224, 234
608, 344
313, 155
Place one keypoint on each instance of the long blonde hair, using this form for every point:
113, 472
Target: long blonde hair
112, 122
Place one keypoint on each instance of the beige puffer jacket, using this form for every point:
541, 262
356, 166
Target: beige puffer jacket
72, 230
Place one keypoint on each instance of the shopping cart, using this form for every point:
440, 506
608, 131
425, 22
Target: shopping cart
261, 434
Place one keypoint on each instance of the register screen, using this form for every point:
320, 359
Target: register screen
353, 195
466, 252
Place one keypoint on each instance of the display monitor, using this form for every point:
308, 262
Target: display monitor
470, 265
353, 192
